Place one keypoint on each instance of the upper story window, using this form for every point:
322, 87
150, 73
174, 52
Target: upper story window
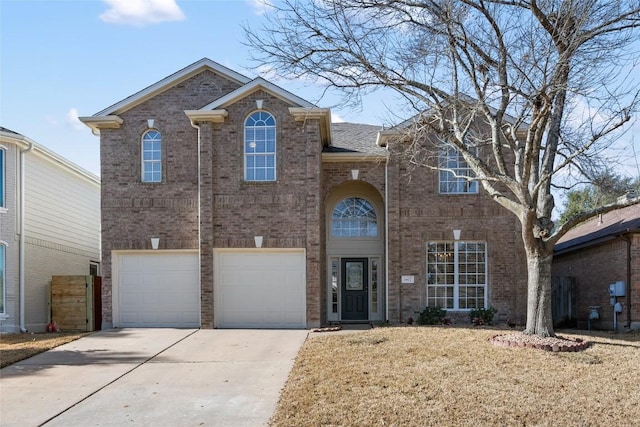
260, 147
2, 178
452, 180
152, 156
354, 217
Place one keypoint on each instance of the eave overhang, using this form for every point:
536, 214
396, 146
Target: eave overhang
200, 116
101, 122
353, 157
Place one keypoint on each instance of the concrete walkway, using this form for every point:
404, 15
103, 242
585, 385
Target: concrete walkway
159, 377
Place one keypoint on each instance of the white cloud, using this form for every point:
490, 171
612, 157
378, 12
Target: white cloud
335, 118
260, 7
141, 12
72, 119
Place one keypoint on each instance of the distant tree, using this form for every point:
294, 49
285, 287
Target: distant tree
545, 79
604, 189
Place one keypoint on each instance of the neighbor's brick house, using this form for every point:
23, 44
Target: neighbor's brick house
266, 214
601, 251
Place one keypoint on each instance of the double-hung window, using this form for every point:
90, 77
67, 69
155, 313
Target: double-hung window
260, 147
152, 156
457, 275
454, 172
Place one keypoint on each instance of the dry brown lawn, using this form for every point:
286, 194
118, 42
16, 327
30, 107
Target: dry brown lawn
448, 376
16, 347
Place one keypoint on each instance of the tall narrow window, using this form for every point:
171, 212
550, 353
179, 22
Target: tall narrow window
260, 147
457, 275
2, 178
455, 178
2, 277
152, 156
354, 217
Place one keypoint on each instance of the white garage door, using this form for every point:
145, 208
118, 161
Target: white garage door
157, 290
258, 289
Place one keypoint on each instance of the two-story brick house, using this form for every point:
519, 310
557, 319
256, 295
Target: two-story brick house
265, 214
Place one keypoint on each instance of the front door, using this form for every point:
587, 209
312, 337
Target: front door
355, 288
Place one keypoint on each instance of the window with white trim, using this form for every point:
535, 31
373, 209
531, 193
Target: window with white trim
2, 178
2, 277
354, 217
455, 172
457, 275
260, 147
152, 156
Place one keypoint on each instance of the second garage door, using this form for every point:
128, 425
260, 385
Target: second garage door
157, 289
258, 289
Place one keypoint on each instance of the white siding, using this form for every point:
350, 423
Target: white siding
8, 234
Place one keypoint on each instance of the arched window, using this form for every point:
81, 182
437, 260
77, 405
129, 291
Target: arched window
260, 147
354, 217
152, 156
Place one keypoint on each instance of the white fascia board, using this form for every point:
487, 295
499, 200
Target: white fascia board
102, 122
214, 116
256, 84
172, 80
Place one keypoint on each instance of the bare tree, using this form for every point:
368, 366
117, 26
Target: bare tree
526, 91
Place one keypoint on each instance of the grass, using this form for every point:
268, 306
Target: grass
447, 376
16, 347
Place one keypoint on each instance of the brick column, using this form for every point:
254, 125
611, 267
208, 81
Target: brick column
206, 224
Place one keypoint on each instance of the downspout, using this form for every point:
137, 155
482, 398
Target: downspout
386, 236
196, 126
627, 239
21, 255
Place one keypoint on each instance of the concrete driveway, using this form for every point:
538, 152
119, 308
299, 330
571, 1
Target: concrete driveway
160, 377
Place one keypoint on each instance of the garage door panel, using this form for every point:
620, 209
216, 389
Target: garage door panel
260, 290
158, 290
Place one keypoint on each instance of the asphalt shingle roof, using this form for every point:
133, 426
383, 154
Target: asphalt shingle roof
600, 227
354, 138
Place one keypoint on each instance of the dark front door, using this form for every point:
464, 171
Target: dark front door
355, 289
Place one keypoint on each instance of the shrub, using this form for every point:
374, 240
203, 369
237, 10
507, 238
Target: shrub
482, 316
432, 316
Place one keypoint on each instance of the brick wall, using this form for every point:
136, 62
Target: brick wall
595, 268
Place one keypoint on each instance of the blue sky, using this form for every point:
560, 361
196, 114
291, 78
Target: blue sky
60, 59
53, 53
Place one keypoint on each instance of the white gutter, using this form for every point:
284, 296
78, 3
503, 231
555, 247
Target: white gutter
386, 236
21, 256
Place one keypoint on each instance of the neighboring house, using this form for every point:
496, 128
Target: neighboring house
597, 253
265, 214
49, 225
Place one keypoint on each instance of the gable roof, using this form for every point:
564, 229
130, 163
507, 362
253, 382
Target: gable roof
254, 85
170, 81
601, 228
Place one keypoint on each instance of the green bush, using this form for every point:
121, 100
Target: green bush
482, 316
432, 316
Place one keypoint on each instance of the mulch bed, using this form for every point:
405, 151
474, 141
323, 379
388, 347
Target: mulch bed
554, 344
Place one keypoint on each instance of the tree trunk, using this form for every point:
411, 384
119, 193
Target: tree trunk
539, 317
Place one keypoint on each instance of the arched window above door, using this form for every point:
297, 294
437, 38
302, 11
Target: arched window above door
354, 217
